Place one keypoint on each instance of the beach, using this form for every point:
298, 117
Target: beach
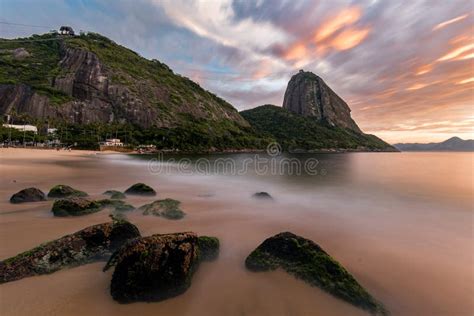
408, 242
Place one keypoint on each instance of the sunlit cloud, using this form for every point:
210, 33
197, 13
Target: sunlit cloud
349, 38
468, 80
457, 52
446, 23
333, 24
424, 69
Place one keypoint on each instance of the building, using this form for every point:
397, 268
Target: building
52, 130
66, 30
26, 128
112, 142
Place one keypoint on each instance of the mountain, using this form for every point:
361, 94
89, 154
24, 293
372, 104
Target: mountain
296, 132
308, 95
452, 144
89, 80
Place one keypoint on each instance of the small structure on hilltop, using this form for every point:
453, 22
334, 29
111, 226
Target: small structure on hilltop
115, 142
66, 30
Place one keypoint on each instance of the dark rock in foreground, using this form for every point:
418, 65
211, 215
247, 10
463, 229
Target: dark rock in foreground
167, 208
75, 206
93, 243
307, 261
208, 247
153, 268
115, 195
140, 189
62, 191
262, 196
28, 195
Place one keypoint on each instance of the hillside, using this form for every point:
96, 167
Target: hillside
90, 83
296, 133
451, 144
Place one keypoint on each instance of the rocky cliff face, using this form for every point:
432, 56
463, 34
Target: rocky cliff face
308, 95
90, 79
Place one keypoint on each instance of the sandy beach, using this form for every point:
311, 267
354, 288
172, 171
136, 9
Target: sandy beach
416, 259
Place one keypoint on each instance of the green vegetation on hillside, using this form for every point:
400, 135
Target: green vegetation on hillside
295, 132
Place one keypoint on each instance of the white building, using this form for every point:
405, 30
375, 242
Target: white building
52, 130
27, 128
115, 142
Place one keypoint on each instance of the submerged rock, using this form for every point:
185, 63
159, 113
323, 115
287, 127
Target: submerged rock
115, 195
153, 268
62, 191
28, 195
262, 196
140, 189
75, 206
93, 243
167, 208
116, 205
208, 247
307, 261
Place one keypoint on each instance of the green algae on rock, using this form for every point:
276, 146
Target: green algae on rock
153, 268
114, 194
167, 208
208, 247
94, 243
75, 206
28, 195
140, 189
62, 191
307, 261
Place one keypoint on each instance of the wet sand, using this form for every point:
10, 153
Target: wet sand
417, 260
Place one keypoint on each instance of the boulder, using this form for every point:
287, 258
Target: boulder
167, 208
28, 195
75, 206
262, 196
208, 248
140, 189
153, 268
94, 243
115, 195
116, 205
307, 261
62, 191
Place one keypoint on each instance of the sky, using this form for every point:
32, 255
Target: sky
404, 67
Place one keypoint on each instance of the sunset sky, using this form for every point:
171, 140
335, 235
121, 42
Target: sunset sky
404, 67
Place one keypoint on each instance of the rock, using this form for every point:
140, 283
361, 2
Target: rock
140, 189
28, 195
62, 191
117, 205
208, 247
308, 95
20, 53
115, 195
75, 206
153, 268
94, 243
307, 261
262, 196
167, 208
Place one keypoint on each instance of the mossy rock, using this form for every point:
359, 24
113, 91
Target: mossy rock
116, 205
115, 195
75, 206
140, 189
28, 195
208, 247
153, 268
94, 243
63, 191
167, 208
307, 261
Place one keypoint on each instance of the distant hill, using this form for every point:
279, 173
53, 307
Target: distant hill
295, 132
452, 144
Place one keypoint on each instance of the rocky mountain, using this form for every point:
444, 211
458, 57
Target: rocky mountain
308, 95
89, 79
296, 132
451, 144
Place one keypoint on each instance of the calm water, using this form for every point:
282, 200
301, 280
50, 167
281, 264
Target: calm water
400, 222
